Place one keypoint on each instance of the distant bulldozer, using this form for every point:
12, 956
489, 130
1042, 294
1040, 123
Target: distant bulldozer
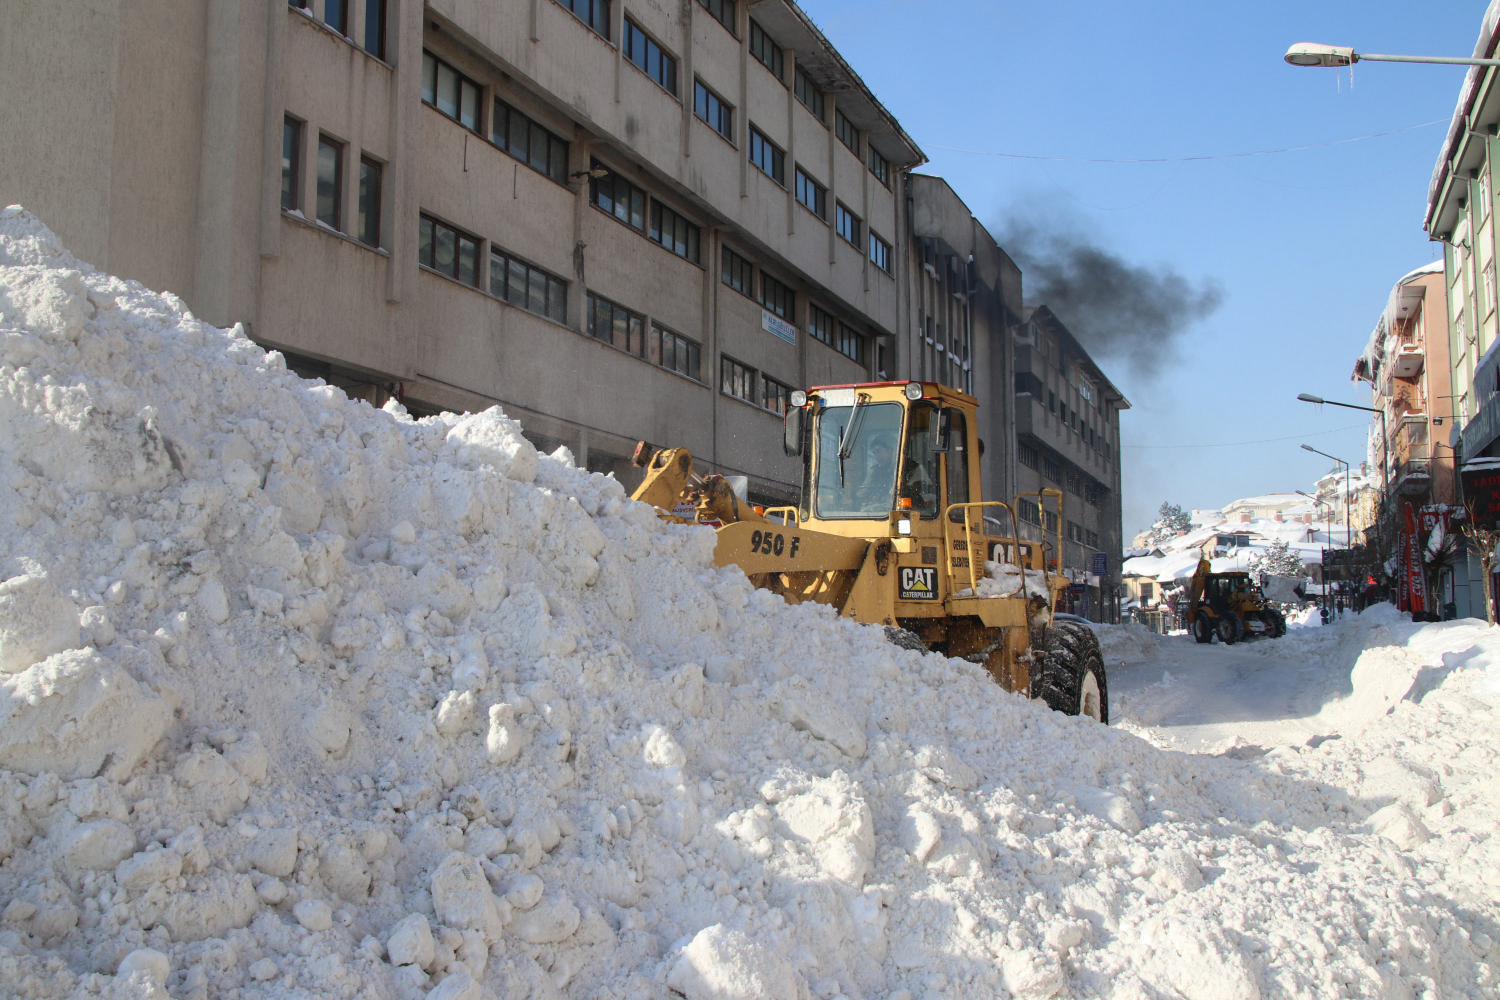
1230, 606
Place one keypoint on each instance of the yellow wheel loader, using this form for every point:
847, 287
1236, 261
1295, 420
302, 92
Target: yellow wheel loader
891, 530
1230, 606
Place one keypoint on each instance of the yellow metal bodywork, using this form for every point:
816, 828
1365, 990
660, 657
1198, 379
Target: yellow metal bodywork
926, 575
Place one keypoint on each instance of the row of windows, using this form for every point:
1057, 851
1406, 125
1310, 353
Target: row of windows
628, 331
614, 194
335, 14
755, 387
780, 299
328, 194
1078, 484
457, 96
648, 56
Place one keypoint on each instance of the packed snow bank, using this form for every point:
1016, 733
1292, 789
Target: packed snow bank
305, 699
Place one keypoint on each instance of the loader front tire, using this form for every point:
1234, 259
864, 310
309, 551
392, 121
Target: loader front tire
1229, 629
1067, 672
1203, 628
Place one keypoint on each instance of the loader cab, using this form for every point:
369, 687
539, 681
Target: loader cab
872, 450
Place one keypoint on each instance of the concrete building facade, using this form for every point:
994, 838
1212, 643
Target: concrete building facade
618, 220
1067, 437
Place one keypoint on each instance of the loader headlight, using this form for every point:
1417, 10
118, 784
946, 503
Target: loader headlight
914, 391
903, 526
798, 398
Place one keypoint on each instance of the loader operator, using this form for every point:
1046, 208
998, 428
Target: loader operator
875, 490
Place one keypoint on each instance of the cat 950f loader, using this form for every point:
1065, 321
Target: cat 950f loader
891, 530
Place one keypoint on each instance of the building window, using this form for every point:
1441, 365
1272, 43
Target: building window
812, 195
736, 379
291, 164
528, 286
848, 224
880, 167
615, 325
850, 343
1027, 456
594, 13
845, 130
375, 28
765, 155
674, 352
711, 108
820, 325
529, 142
776, 297
1052, 470
620, 198
674, 232
766, 52
722, 11
648, 56
368, 210
330, 182
807, 92
736, 271
774, 396
336, 15
448, 250
880, 253
448, 90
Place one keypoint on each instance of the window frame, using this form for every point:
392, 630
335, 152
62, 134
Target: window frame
336, 16
850, 343
688, 245
849, 226
809, 94
606, 188
731, 265
807, 183
634, 325
647, 55
681, 347
430, 96
595, 14
705, 100
460, 238
777, 297
760, 146
775, 395
292, 130
367, 202
330, 183
879, 166
520, 293
880, 251
764, 50
556, 147
722, 11
841, 126
732, 372
376, 20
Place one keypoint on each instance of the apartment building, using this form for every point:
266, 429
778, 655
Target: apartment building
1067, 437
1461, 215
616, 219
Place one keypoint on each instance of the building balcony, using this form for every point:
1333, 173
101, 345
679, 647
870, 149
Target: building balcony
1407, 361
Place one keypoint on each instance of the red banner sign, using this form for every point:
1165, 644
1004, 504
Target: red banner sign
1414, 579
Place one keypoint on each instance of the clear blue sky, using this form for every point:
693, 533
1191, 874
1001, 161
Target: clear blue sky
1126, 127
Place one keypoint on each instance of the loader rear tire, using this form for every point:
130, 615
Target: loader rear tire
1067, 672
1276, 624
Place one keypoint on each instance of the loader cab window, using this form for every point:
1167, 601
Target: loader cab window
856, 458
958, 462
919, 475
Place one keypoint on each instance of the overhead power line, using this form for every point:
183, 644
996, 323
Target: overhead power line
1186, 159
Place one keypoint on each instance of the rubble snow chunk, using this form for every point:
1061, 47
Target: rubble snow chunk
724, 964
491, 438
36, 621
79, 715
462, 897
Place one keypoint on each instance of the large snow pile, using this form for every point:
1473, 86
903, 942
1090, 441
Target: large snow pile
299, 698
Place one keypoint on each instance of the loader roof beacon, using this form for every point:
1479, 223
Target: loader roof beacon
891, 529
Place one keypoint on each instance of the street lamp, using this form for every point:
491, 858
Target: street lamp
1385, 446
1315, 54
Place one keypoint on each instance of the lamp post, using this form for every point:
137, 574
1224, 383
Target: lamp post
1348, 532
1316, 54
1385, 437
